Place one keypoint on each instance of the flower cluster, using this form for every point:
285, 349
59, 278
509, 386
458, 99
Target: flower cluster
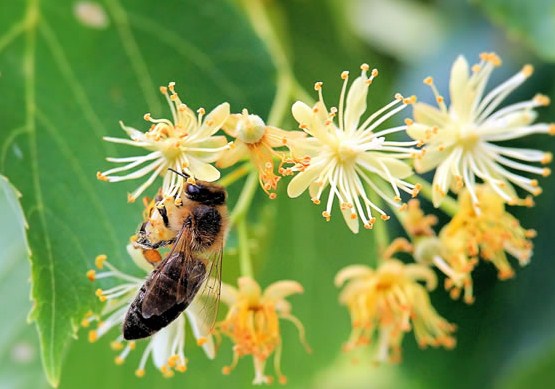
345, 156
388, 302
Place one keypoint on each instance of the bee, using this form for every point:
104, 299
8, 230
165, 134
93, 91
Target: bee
196, 226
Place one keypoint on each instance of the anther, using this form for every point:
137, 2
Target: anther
147, 117
171, 86
409, 122
326, 215
99, 261
527, 70
163, 90
140, 373
429, 81
91, 275
364, 67
101, 177
546, 171
385, 217
318, 85
345, 75
201, 111
547, 157
542, 100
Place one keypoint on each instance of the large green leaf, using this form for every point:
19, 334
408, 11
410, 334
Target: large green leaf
19, 354
69, 75
530, 21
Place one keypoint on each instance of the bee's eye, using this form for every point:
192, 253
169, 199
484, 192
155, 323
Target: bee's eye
193, 189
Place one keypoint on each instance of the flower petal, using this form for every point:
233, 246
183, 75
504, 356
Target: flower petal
249, 288
431, 116
352, 271
352, 223
282, 289
214, 121
301, 181
229, 294
356, 103
459, 88
233, 155
203, 171
201, 329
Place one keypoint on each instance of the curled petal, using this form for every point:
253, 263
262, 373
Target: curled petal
352, 271
282, 289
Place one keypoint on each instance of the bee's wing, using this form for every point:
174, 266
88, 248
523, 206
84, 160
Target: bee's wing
165, 286
207, 299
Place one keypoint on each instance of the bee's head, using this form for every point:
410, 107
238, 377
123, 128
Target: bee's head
205, 193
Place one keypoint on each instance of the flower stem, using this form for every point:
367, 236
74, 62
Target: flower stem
245, 261
245, 199
239, 219
287, 85
448, 205
235, 175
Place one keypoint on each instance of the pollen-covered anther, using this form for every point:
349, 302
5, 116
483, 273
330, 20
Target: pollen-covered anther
140, 373
318, 85
201, 111
345, 75
547, 158
398, 96
409, 100
542, 100
147, 117
368, 225
99, 261
100, 294
403, 207
93, 336
476, 68
527, 70
116, 345
171, 86
131, 198
440, 99
546, 172
91, 275
101, 177
429, 81
397, 199
409, 122
326, 215
417, 188
385, 217
315, 200
174, 97
163, 90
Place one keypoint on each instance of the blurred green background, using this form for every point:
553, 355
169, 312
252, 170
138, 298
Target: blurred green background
67, 77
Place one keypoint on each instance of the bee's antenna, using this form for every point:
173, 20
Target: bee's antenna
184, 175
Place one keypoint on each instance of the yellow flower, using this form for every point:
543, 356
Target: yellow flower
459, 140
489, 234
253, 323
187, 144
351, 157
258, 142
386, 303
167, 346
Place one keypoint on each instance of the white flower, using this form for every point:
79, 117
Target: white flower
187, 145
167, 346
352, 157
459, 139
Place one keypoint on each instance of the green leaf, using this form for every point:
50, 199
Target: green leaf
71, 74
530, 21
19, 350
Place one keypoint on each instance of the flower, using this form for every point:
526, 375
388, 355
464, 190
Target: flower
459, 140
187, 145
350, 157
386, 303
257, 141
489, 235
167, 346
252, 323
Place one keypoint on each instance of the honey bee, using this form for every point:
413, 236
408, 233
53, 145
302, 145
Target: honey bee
196, 226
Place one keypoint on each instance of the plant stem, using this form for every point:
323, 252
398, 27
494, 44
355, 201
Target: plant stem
287, 85
239, 219
448, 204
245, 199
245, 261
235, 175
